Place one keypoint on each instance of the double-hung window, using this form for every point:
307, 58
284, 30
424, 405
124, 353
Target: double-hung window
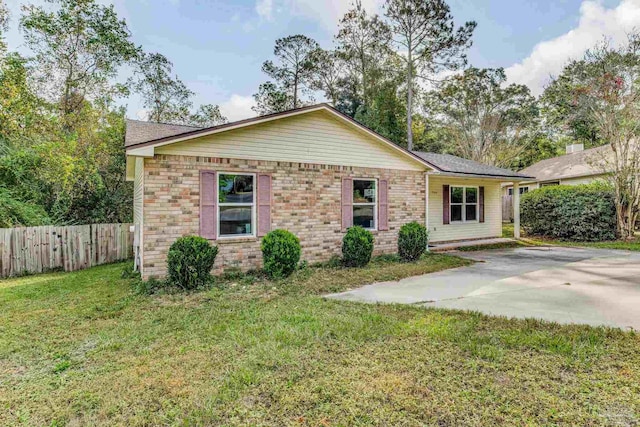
463, 204
365, 199
236, 204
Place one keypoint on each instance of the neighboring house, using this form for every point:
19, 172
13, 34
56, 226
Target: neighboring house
573, 168
312, 171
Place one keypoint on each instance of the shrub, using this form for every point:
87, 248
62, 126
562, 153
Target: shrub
357, 246
412, 241
579, 213
190, 261
280, 253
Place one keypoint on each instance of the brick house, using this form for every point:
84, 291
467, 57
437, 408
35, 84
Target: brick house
312, 171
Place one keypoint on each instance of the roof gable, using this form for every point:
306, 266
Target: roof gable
319, 139
567, 166
316, 137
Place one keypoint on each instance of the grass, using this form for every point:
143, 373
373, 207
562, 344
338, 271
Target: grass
627, 245
83, 349
494, 246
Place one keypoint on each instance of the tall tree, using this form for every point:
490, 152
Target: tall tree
271, 99
295, 65
328, 74
426, 39
485, 120
605, 88
565, 118
207, 115
167, 98
4, 25
78, 48
362, 43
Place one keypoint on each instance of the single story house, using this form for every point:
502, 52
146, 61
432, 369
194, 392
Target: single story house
577, 166
312, 171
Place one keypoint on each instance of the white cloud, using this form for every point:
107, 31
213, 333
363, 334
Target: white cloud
327, 12
264, 9
596, 22
238, 107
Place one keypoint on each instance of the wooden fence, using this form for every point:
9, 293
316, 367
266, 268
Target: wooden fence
507, 208
39, 249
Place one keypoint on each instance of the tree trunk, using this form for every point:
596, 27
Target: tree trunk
409, 102
295, 91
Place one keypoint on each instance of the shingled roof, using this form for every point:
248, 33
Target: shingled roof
139, 131
567, 166
453, 164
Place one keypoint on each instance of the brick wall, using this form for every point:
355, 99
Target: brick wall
306, 201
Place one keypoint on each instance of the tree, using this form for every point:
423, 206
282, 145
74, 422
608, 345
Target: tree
328, 74
485, 120
604, 86
271, 99
295, 65
167, 98
424, 36
4, 25
79, 49
207, 115
362, 43
564, 117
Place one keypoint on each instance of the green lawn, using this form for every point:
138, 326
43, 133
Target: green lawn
627, 245
84, 349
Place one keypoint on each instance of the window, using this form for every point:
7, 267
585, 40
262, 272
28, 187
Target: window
236, 204
463, 204
550, 183
522, 191
365, 200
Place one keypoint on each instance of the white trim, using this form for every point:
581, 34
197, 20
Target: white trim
375, 204
148, 150
220, 236
426, 206
464, 204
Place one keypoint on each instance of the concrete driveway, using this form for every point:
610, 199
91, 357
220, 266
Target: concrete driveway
565, 285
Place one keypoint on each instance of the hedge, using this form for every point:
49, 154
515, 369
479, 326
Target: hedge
579, 213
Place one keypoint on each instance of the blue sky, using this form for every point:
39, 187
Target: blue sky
217, 47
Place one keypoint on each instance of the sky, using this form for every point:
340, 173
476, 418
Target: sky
217, 46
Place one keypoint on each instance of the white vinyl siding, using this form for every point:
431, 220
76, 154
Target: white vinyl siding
315, 137
492, 227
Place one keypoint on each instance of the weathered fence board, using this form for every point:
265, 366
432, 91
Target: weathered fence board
507, 208
39, 249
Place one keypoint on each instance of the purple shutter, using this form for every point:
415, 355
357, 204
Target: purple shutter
445, 204
208, 202
264, 204
383, 205
347, 203
481, 203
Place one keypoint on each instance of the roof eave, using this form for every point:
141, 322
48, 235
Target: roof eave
516, 178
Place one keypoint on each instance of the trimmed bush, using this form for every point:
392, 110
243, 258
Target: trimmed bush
357, 247
412, 241
280, 253
190, 261
579, 213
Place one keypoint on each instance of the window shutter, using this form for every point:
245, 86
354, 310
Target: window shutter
208, 202
445, 204
383, 205
264, 204
481, 203
347, 203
